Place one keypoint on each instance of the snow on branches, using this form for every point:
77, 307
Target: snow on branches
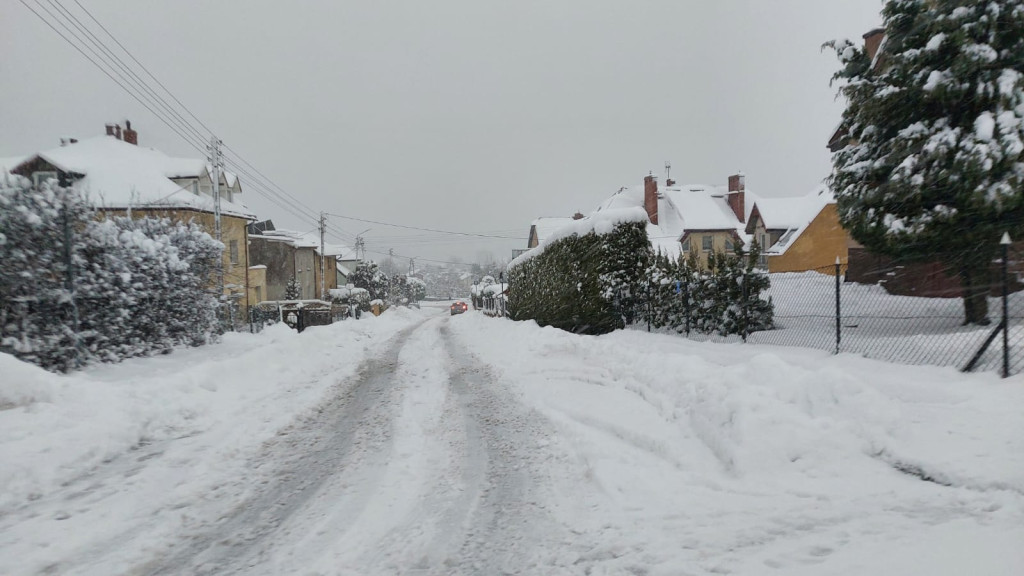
77, 289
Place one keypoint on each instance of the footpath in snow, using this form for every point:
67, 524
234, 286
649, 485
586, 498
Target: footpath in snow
105, 464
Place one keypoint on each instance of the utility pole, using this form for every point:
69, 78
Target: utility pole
217, 162
323, 270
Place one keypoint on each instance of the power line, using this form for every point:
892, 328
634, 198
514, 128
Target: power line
138, 81
435, 230
111, 76
141, 65
111, 65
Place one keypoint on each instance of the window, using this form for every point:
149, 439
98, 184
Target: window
233, 247
706, 242
686, 244
40, 178
195, 187
764, 242
729, 245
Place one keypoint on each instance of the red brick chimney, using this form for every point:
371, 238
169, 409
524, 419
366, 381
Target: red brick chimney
110, 129
737, 196
577, 216
130, 136
872, 40
651, 198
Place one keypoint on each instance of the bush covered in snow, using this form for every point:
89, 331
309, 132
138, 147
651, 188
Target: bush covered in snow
725, 298
369, 277
76, 289
579, 282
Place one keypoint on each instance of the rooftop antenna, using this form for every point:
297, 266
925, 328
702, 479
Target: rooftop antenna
668, 169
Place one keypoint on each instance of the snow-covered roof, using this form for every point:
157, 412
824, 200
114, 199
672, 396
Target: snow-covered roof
117, 174
683, 208
686, 208
303, 240
793, 214
544, 227
344, 269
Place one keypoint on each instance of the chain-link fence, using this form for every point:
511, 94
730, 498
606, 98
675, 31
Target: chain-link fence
906, 313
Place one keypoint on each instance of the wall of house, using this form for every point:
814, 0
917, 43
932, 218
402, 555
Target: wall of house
719, 238
233, 233
257, 284
817, 247
331, 274
279, 258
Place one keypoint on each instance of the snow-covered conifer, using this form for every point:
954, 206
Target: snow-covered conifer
933, 170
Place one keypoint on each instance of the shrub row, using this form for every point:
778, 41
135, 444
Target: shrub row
596, 283
77, 289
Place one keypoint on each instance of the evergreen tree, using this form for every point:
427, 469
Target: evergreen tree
293, 290
934, 169
368, 276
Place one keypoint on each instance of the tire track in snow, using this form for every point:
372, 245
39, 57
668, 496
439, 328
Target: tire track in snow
348, 436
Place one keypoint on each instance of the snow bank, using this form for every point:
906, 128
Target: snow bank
688, 457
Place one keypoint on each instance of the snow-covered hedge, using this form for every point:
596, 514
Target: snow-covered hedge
133, 286
579, 282
724, 298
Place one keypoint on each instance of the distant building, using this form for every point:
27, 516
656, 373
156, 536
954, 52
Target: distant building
286, 254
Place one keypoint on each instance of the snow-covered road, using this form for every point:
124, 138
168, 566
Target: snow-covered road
418, 443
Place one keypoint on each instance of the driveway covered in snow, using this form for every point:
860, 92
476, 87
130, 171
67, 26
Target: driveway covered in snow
420, 443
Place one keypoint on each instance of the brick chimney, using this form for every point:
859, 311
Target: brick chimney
110, 129
651, 198
872, 40
669, 183
577, 216
117, 131
130, 136
737, 196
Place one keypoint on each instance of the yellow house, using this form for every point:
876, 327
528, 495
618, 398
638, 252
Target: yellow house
799, 233
120, 177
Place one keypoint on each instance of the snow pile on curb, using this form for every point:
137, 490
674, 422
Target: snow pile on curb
687, 457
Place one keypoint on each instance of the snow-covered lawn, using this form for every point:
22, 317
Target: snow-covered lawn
876, 324
682, 457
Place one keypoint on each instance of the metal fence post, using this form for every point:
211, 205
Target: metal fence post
1005, 242
839, 315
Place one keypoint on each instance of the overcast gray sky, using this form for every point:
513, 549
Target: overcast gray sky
457, 114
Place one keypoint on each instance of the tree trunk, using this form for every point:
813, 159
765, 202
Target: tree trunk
975, 283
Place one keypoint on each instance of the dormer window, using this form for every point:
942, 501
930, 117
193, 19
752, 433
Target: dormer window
40, 178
